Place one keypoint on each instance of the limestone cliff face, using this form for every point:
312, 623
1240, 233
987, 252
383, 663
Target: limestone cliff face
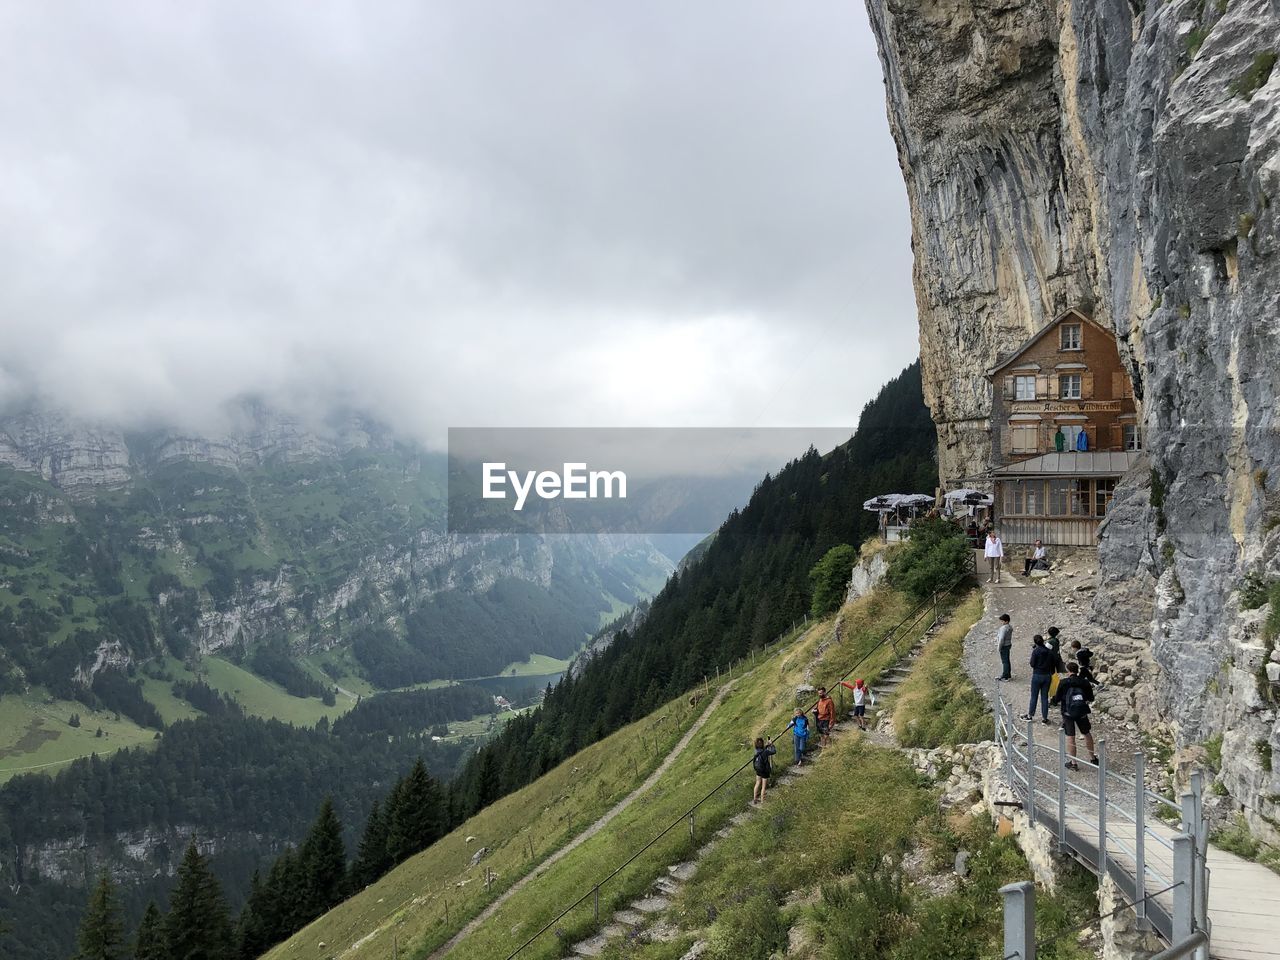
1124, 156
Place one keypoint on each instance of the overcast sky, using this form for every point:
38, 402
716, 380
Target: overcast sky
451, 213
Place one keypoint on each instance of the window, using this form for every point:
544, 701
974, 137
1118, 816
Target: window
1104, 490
1132, 437
1069, 498
1070, 334
1070, 436
1024, 388
1023, 498
1024, 437
1070, 386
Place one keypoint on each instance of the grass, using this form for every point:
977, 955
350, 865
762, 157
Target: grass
938, 703
261, 698
411, 901
36, 734
1255, 75
538, 665
1237, 838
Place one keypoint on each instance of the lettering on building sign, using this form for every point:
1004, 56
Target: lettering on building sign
1083, 406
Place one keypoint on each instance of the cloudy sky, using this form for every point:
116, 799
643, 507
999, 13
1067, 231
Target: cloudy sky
451, 213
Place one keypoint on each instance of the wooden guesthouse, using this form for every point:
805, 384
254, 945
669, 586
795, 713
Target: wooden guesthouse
1064, 429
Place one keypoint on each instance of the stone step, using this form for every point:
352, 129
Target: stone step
683, 871
591, 948
651, 904
629, 918
667, 886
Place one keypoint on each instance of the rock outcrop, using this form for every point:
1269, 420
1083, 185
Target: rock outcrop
1123, 157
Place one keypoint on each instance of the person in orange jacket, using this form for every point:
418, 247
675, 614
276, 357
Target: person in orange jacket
826, 715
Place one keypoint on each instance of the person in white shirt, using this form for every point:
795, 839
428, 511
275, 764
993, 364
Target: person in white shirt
994, 552
1039, 557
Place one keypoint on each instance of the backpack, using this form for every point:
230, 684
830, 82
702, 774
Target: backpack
761, 764
1076, 707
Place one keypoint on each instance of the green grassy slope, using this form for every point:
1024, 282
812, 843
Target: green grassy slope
411, 901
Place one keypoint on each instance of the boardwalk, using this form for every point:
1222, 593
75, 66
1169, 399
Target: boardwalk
1243, 906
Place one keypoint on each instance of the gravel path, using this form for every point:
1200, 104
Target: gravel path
1064, 600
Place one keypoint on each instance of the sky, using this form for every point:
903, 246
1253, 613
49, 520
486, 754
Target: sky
473, 213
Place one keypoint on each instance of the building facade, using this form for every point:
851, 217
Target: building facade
1064, 429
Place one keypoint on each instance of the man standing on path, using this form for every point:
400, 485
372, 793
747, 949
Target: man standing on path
994, 552
826, 715
1004, 640
1041, 676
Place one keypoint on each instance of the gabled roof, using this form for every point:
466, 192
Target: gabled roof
1073, 314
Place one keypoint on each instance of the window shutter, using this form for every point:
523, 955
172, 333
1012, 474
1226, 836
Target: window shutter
1008, 388
1117, 436
1091, 430
1053, 388
1086, 386
1042, 386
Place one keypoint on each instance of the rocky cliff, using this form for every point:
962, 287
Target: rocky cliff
1125, 157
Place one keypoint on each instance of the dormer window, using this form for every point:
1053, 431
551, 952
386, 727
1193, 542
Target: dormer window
1071, 337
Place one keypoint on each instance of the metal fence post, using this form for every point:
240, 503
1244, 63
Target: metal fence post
1031, 770
1020, 920
1140, 838
1062, 786
1201, 905
1102, 807
1183, 865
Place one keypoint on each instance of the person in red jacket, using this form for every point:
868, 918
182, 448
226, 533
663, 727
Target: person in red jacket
826, 715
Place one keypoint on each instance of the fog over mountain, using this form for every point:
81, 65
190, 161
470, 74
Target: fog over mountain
450, 213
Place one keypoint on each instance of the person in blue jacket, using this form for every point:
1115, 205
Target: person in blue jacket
800, 731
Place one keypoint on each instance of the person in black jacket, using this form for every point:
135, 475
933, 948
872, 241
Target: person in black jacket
763, 768
1074, 695
1084, 656
1043, 661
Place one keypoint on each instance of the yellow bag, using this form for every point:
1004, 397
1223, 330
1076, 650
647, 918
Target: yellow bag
1053, 685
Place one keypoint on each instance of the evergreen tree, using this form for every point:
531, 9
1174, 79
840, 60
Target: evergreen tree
280, 911
830, 577
252, 936
372, 858
150, 944
323, 862
415, 814
102, 930
197, 927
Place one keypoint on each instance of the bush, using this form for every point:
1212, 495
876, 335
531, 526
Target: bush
751, 930
829, 578
935, 555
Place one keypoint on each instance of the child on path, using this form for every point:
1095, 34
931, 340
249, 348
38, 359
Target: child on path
861, 694
1084, 657
763, 768
826, 715
1004, 640
800, 731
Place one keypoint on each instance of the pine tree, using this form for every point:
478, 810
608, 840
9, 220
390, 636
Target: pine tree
372, 859
102, 930
252, 935
280, 911
324, 863
415, 814
197, 927
150, 944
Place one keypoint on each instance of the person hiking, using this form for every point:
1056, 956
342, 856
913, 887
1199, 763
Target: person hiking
826, 715
1004, 640
1053, 643
1041, 677
764, 769
800, 732
1039, 558
993, 550
1084, 657
861, 694
1074, 696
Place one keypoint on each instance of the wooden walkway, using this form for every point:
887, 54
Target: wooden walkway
1244, 897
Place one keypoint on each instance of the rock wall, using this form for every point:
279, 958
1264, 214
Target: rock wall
1123, 156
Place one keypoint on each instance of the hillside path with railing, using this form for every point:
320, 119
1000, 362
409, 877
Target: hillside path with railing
1109, 817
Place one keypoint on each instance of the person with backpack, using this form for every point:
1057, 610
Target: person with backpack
1074, 695
826, 715
1053, 644
1004, 640
1084, 657
800, 732
1042, 663
763, 767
